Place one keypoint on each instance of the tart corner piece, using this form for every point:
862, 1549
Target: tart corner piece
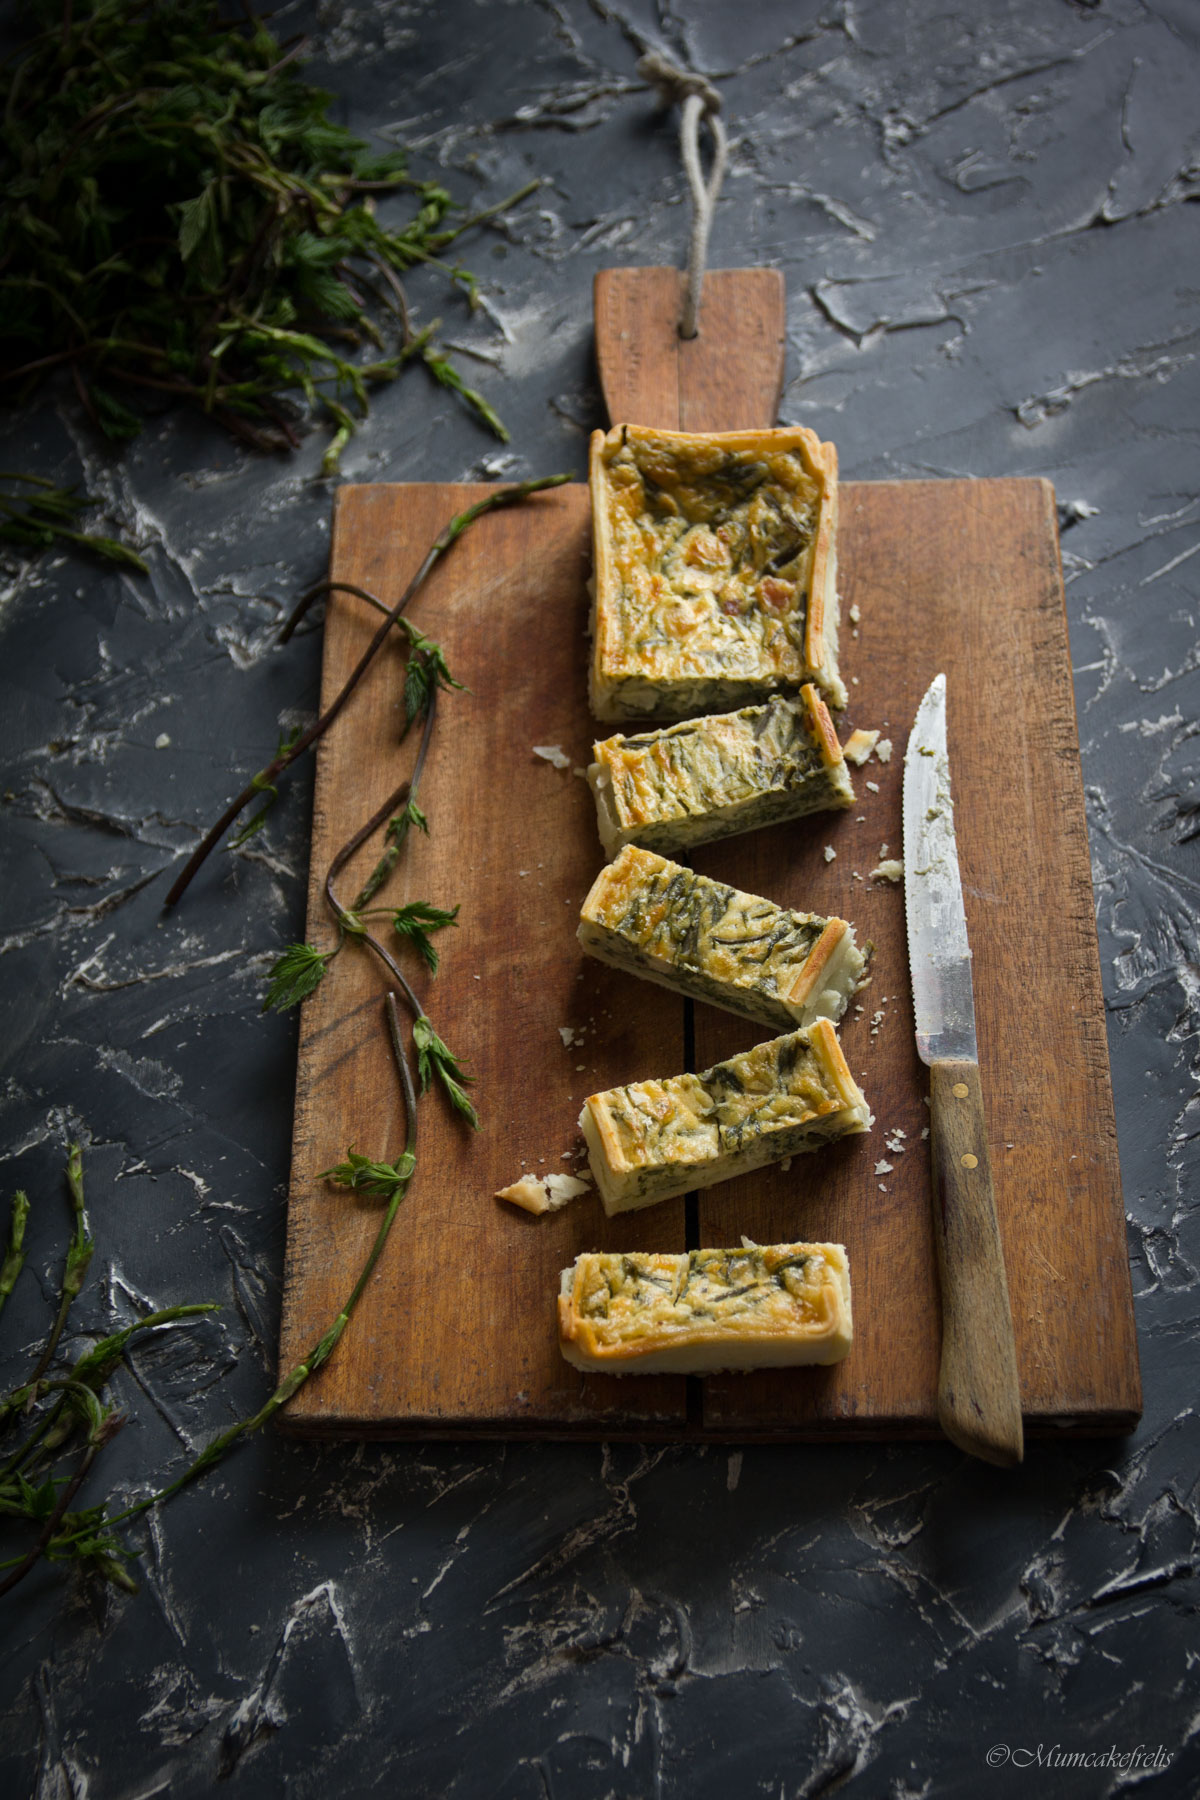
763, 1306
715, 576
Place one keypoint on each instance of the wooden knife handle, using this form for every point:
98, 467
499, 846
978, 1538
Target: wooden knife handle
979, 1400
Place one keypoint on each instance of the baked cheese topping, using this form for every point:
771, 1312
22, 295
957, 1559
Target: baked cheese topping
715, 568
704, 1310
719, 775
699, 937
651, 1140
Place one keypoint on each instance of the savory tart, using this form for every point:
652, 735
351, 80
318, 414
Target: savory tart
764, 1306
715, 569
651, 1140
715, 776
711, 942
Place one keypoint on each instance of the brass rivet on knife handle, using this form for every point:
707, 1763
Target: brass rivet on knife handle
979, 1400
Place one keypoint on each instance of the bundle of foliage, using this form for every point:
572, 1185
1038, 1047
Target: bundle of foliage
182, 218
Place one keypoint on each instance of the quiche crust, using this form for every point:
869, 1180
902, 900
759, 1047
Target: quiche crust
709, 941
719, 775
651, 1140
649, 1313
715, 569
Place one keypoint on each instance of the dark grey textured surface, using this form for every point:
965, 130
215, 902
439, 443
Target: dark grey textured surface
982, 214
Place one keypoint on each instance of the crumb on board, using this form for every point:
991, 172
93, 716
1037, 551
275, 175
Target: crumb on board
567, 1034
892, 870
830, 853
874, 786
554, 754
858, 746
883, 750
882, 1167
544, 1193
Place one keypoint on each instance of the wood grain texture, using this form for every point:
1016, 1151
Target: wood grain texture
457, 1328
960, 576
979, 1394
729, 377
456, 1335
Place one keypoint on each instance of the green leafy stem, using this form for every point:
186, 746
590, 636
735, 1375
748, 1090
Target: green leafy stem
245, 268
283, 760
69, 1408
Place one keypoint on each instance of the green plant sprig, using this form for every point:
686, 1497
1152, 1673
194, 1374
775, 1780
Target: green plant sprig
183, 219
86, 1537
266, 777
14, 1259
433, 1056
417, 922
30, 1488
35, 521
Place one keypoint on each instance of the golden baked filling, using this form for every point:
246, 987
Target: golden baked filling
715, 576
763, 1306
718, 775
712, 942
650, 1140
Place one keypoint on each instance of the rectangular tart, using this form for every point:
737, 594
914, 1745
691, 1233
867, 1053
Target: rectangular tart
701, 938
762, 1307
715, 569
715, 776
651, 1140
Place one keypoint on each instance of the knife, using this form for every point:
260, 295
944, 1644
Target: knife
979, 1402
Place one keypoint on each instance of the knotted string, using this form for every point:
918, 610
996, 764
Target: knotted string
700, 100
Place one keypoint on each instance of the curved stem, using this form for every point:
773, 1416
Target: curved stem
452, 532
313, 594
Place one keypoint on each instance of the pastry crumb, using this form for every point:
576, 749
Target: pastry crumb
553, 753
883, 750
882, 1167
892, 870
544, 1193
830, 853
858, 746
874, 786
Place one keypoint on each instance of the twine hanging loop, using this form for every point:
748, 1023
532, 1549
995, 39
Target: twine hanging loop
700, 101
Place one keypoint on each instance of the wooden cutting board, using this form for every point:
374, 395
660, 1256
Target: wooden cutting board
456, 1333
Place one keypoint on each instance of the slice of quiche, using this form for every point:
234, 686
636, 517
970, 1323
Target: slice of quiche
651, 1140
764, 1306
701, 938
715, 569
719, 775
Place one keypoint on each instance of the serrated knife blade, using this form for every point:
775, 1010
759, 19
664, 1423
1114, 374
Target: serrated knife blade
979, 1402
939, 955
